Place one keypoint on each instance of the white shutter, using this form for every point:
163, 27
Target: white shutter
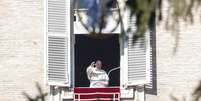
58, 42
151, 88
138, 58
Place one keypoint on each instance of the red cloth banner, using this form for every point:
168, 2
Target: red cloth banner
96, 94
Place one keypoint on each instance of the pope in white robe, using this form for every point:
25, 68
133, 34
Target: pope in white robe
98, 77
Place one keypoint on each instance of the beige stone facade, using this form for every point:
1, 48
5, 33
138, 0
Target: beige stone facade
177, 73
21, 54
21, 48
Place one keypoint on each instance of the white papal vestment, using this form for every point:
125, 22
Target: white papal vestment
98, 77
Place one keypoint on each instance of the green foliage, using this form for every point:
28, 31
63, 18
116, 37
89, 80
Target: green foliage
180, 10
143, 11
147, 11
177, 10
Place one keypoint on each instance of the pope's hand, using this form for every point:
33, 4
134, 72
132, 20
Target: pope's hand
93, 64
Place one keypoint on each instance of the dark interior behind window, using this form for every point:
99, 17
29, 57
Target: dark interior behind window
105, 48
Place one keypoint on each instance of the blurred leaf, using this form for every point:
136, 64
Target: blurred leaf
174, 98
40, 97
197, 93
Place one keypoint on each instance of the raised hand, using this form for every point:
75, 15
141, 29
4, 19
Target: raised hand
93, 64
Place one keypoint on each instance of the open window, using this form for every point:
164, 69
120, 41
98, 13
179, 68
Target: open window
89, 48
59, 53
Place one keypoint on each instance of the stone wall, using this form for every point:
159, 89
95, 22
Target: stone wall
177, 73
21, 48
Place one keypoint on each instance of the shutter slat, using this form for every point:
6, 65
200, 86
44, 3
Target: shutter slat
137, 57
57, 59
57, 12
58, 42
136, 61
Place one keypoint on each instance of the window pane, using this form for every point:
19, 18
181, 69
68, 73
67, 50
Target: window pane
84, 4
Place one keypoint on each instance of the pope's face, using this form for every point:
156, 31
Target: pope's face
98, 64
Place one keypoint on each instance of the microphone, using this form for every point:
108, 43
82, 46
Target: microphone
112, 70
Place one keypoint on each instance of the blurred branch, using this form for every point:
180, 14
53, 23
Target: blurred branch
143, 11
195, 96
40, 97
100, 13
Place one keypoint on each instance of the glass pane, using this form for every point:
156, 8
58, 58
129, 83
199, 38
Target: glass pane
85, 4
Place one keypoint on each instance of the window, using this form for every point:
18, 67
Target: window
89, 48
84, 4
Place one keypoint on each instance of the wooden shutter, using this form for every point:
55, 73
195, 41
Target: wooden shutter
138, 58
58, 42
151, 88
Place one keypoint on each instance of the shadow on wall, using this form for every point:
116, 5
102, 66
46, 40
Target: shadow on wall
152, 87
